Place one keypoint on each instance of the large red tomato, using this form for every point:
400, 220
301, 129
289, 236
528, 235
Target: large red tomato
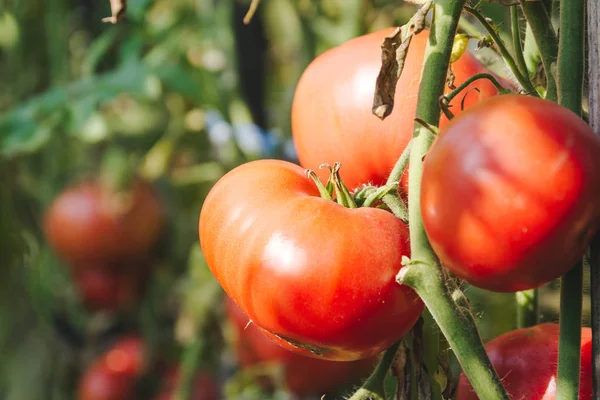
510, 192
309, 271
331, 112
526, 361
114, 375
303, 375
88, 222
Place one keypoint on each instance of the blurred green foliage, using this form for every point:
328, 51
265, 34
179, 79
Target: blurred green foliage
186, 92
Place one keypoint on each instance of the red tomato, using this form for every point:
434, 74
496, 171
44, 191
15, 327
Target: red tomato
109, 287
526, 360
315, 274
204, 386
510, 192
114, 375
304, 376
88, 222
331, 112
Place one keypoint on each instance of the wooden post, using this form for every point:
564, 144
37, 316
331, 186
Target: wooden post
593, 12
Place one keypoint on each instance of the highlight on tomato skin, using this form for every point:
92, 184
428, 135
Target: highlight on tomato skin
303, 375
509, 193
310, 271
331, 112
88, 222
526, 361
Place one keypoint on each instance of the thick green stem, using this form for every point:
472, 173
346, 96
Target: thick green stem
457, 326
515, 27
373, 388
527, 308
569, 353
523, 80
425, 276
545, 38
570, 89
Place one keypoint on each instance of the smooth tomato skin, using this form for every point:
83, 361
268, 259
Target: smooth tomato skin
331, 112
526, 360
509, 194
308, 270
114, 375
84, 223
304, 376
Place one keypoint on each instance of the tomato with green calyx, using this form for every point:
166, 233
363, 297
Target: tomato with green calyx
309, 271
331, 113
303, 375
526, 361
89, 222
509, 193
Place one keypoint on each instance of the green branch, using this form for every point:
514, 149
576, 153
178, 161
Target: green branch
515, 28
373, 388
424, 273
545, 38
570, 72
523, 80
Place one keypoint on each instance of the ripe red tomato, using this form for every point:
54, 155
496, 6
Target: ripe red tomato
304, 376
331, 112
510, 192
526, 360
109, 286
114, 375
88, 223
204, 386
309, 271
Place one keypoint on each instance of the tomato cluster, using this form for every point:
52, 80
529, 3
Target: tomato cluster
508, 201
314, 276
106, 238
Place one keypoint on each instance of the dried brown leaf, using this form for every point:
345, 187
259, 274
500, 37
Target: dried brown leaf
401, 370
393, 55
421, 376
118, 8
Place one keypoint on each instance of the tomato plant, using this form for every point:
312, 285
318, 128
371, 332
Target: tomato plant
526, 360
88, 222
303, 375
331, 112
509, 192
307, 270
114, 375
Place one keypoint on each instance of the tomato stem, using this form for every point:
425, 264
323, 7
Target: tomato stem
458, 326
446, 99
523, 80
424, 273
377, 194
569, 347
527, 308
400, 166
543, 32
396, 206
373, 388
570, 71
515, 27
